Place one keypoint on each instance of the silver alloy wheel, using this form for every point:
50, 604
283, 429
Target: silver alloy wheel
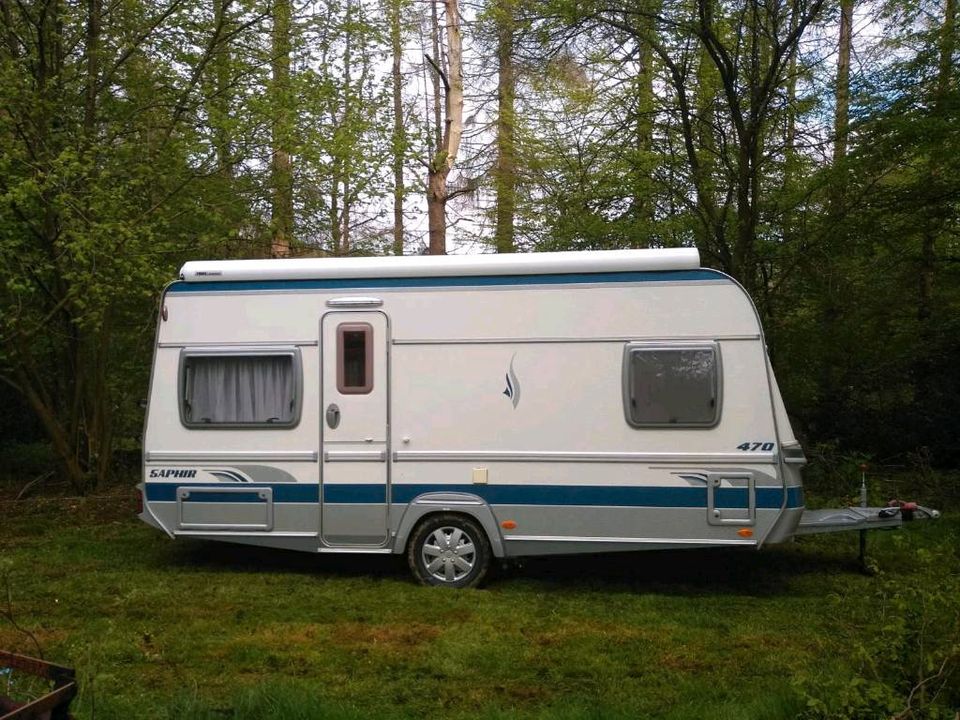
448, 554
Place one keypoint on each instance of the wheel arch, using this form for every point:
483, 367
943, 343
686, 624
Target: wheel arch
437, 503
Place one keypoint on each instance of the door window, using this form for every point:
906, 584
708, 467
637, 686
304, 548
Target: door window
354, 358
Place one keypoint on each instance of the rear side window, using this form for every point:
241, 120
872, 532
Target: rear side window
234, 389
668, 386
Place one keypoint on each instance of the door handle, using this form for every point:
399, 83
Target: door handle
333, 416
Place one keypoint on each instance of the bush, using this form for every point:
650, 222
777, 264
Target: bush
910, 669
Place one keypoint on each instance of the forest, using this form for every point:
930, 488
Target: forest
809, 148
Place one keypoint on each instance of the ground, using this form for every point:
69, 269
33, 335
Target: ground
159, 628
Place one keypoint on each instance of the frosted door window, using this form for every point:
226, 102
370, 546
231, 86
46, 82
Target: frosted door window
239, 390
672, 387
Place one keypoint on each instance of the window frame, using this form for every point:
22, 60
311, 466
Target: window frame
367, 329
241, 352
632, 347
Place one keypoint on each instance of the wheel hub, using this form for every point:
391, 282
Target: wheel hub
449, 554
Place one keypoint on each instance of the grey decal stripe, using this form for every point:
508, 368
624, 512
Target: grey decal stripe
739, 458
569, 340
231, 456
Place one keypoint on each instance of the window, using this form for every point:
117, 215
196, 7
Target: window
671, 386
355, 358
240, 389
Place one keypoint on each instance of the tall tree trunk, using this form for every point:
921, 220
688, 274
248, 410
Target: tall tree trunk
933, 226
218, 101
702, 154
505, 171
398, 140
94, 11
642, 195
10, 34
790, 136
841, 119
282, 140
347, 124
437, 97
440, 164
336, 239
841, 113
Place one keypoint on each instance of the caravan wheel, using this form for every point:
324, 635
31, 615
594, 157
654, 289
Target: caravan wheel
449, 551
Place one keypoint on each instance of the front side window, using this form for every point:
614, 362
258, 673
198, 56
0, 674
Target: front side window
672, 386
235, 389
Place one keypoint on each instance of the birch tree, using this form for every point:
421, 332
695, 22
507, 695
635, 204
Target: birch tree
448, 74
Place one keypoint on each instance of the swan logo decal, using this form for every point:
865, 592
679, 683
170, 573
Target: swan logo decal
513, 384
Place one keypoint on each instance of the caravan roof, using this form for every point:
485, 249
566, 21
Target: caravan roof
442, 265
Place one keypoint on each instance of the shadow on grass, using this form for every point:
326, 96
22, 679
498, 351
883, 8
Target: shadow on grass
692, 572
188, 553
683, 572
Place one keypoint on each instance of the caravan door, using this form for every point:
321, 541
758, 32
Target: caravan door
354, 469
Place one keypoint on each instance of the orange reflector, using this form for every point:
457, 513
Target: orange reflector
745, 532
508, 524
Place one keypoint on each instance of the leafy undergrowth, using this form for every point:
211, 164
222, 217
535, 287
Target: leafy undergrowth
189, 629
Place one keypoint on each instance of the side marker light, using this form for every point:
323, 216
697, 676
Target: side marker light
508, 524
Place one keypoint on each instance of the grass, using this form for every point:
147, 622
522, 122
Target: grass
188, 629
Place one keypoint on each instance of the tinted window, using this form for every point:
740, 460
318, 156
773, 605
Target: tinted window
671, 386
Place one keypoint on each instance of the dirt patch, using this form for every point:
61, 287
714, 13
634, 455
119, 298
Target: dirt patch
288, 636
681, 662
117, 504
361, 636
567, 631
16, 641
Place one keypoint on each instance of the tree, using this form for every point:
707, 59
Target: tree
505, 169
748, 45
97, 199
398, 140
282, 131
444, 153
343, 117
881, 289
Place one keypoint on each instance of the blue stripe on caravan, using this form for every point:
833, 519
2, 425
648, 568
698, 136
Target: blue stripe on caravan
461, 281
586, 495
581, 495
282, 492
355, 494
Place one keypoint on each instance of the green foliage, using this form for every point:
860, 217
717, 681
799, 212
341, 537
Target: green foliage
866, 338
908, 665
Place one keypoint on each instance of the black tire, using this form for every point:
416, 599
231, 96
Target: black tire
449, 550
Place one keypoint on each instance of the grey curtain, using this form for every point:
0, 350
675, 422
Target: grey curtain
238, 389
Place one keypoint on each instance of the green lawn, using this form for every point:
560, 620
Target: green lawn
159, 628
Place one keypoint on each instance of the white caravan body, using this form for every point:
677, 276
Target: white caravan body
565, 402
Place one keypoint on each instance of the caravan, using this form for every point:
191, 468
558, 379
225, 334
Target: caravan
462, 409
